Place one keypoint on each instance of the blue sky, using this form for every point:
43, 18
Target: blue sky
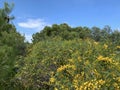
33, 15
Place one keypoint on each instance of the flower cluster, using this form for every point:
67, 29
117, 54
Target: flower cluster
52, 79
107, 59
61, 68
105, 46
118, 47
92, 85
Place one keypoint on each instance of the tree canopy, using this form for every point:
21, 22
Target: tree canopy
65, 32
12, 46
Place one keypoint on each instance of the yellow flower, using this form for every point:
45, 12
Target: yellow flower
118, 47
52, 79
118, 78
71, 60
66, 67
101, 58
61, 68
55, 88
54, 62
87, 62
52, 73
79, 59
92, 85
105, 46
96, 43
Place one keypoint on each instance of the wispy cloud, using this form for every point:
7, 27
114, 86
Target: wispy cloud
37, 24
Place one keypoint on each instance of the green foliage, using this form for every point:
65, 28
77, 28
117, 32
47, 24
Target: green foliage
5, 18
12, 46
65, 32
61, 30
115, 37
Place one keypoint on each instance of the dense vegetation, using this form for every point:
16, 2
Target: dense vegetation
60, 57
12, 46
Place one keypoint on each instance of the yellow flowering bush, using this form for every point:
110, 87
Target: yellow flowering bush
71, 65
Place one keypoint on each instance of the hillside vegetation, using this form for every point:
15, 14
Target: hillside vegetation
60, 57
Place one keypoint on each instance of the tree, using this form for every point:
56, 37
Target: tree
62, 30
6, 12
5, 17
105, 33
12, 46
96, 33
115, 37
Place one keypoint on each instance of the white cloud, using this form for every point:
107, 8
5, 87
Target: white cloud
28, 37
33, 24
